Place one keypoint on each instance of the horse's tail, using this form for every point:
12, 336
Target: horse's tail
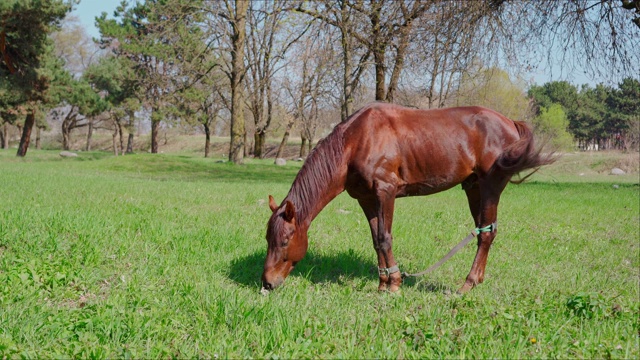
522, 155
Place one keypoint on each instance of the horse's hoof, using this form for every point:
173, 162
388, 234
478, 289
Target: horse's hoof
464, 289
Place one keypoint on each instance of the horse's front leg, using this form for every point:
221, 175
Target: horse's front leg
379, 212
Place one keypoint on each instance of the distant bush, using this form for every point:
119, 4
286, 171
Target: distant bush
552, 123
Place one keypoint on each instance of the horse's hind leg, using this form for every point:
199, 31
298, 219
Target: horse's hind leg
483, 197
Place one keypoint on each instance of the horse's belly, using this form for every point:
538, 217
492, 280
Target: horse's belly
429, 187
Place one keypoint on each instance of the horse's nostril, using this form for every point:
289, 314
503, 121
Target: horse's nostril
267, 286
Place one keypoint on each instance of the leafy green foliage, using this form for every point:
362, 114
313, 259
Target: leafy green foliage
24, 51
553, 123
24, 28
594, 114
154, 41
493, 88
587, 305
624, 118
113, 76
555, 92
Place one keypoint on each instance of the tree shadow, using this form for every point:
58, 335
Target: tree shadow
319, 268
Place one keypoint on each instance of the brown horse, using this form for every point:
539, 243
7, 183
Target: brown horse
386, 151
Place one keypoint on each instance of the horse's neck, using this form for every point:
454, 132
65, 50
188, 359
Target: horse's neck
311, 193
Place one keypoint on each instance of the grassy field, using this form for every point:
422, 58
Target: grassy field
156, 256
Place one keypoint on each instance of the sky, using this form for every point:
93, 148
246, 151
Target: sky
87, 10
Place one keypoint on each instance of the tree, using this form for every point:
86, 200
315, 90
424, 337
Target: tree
115, 78
595, 35
153, 36
600, 117
307, 89
598, 36
354, 56
624, 117
555, 92
587, 124
24, 27
266, 46
229, 21
7, 117
77, 104
552, 123
75, 46
198, 104
493, 88
82, 103
389, 27
451, 39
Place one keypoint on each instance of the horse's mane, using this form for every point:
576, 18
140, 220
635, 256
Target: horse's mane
319, 169
317, 172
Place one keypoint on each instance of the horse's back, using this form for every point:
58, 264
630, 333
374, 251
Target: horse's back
424, 151
404, 121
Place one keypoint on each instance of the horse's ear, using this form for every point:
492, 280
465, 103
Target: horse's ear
289, 211
272, 204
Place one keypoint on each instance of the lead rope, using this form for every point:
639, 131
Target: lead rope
465, 241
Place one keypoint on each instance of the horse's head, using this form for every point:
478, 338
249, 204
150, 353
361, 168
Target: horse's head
286, 244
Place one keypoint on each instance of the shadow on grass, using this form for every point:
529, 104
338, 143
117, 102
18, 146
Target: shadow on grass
318, 269
423, 284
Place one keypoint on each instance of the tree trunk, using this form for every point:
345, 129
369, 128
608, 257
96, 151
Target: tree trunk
2, 136
5, 129
207, 141
130, 144
67, 125
66, 130
399, 63
247, 146
26, 134
303, 148
120, 133
259, 139
263, 144
256, 143
236, 146
378, 50
89, 135
114, 141
65, 140
285, 138
38, 131
347, 100
130, 130
263, 132
379, 70
155, 128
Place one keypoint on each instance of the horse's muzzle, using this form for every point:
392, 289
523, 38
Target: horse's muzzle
271, 284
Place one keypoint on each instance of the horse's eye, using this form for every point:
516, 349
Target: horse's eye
285, 241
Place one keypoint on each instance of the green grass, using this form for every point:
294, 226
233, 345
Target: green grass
156, 256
